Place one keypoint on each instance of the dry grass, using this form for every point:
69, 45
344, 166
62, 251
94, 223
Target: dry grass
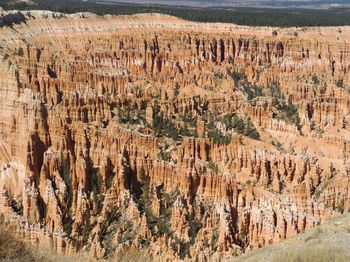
12, 249
329, 242
320, 252
131, 255
315, 234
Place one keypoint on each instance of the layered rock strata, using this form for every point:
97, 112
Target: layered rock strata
189, 141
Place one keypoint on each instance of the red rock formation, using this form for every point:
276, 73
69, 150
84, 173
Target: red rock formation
137, 131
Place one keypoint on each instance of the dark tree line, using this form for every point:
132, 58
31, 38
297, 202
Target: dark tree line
241, 16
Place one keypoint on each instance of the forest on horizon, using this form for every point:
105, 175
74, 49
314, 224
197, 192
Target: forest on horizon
287, 17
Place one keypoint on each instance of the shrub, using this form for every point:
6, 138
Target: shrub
277, 144
214, 238
194, 226
274, 90
243, 127
315, 80
97, 189
218, 75
232, 121
237, 77
20, 51
65, 173
340, 83
217, 137
213, 166
164, 127
176, 90
165, 156
17, 206
128, 115
67, 224
12, 249
252, 90
86, 226
158, 225
289, 113
250, 130
243, 235
128, 234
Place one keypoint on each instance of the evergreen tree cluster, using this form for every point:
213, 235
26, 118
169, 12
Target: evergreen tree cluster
238, 15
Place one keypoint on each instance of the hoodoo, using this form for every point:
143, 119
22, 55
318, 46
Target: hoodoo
187, 141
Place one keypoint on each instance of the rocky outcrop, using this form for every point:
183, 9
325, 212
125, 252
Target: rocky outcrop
190, 141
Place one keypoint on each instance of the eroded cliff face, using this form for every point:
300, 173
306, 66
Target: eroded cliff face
190, 141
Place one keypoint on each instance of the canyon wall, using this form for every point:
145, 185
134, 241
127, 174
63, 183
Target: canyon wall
190, 141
